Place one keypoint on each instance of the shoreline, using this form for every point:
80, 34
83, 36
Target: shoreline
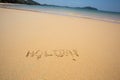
85, 17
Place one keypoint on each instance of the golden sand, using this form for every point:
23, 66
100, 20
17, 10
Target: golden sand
86, 49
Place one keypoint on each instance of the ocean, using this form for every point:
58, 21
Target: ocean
67, 11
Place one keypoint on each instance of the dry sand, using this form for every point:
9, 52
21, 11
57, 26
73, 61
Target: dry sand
96, 42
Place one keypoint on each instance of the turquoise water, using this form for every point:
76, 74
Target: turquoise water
74, 12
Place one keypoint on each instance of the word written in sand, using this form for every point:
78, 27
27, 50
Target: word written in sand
49, 53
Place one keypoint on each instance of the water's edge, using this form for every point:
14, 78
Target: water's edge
95, 15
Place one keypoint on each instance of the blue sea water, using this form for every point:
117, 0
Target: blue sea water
73, 12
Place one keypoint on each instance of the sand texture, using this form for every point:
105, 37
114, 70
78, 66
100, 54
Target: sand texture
42, 46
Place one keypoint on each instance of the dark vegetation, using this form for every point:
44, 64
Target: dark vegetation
30, 2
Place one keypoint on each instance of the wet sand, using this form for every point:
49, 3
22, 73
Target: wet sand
41, 46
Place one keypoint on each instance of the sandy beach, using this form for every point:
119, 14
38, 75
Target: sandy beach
42, 46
